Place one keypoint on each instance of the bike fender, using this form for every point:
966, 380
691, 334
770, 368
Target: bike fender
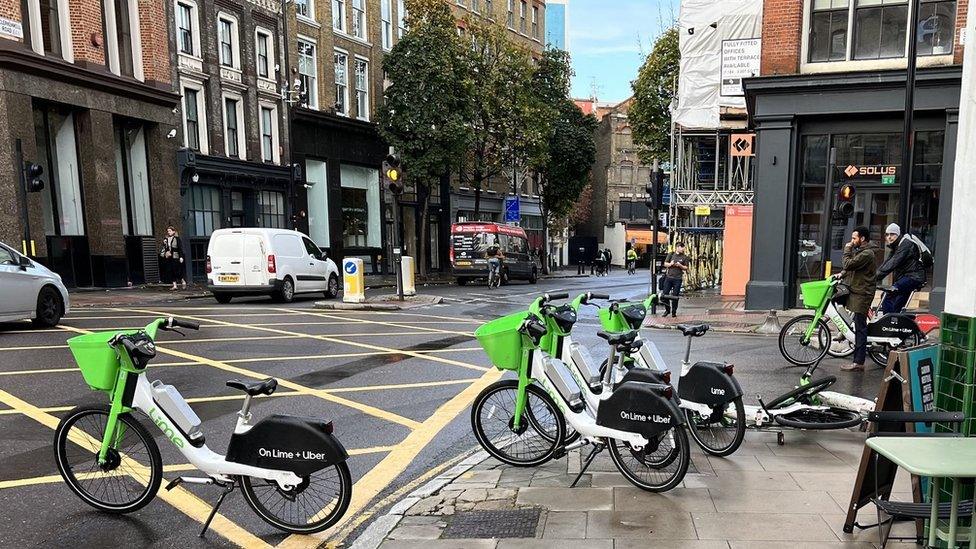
288, 443
706, 383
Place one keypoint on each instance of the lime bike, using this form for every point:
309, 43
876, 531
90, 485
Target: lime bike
291, 470
806, 339
524, 421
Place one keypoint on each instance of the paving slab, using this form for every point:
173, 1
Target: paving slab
565, 525
440, 544
639, 525
755, 501
752, 544
757, 480
792, 464
567, 499
551, 544
670, 544
762, 527
679, 499
735, 462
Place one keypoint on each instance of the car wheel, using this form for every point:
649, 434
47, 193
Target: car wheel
48, 312
287, 292
223, 298
333, 290
535, 276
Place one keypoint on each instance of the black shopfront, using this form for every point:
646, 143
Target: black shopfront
798, 119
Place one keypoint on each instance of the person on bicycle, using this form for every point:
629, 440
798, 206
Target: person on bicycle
906, 267
675, 265
631, 261
860, 266
494, 255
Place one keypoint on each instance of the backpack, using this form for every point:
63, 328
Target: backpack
924, 254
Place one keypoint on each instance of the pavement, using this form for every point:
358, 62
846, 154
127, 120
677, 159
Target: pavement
397, 385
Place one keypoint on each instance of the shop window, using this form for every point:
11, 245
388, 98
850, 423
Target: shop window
341, 82
132, 174
360, 206
57, 153
828, 30
316, 175
271, 209
203, 212
308, 73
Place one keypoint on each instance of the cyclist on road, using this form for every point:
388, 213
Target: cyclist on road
860, 265
905, 266
494, 255
631, 261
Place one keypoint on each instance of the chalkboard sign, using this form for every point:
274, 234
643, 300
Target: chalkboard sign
922, 363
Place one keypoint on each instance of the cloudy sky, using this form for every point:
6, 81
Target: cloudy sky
608, 40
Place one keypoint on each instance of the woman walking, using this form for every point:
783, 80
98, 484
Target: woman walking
172, 257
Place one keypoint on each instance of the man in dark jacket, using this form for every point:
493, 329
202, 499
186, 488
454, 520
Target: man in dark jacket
860, 266
906, 269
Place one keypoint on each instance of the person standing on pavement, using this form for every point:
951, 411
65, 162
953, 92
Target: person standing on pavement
171, 255
860, 267
609, 257
675, 266
905, 265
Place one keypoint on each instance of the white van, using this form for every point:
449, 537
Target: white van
275, 262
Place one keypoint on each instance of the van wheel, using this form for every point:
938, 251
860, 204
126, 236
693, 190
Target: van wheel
333, 290
535, 276
461, 281
48, 312
223, 298
287, 292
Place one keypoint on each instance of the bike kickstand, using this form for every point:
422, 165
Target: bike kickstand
597, 448
213, 512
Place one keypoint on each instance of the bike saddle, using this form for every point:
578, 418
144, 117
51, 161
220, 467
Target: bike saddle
624, 338
630, 347
693, 330
254, 388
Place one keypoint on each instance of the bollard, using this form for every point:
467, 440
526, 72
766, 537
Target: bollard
353, 287
409, 275
771, 324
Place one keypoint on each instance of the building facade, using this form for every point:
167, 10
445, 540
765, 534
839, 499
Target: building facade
86, 93
228, 67
833, 76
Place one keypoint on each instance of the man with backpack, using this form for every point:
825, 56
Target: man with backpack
907, 264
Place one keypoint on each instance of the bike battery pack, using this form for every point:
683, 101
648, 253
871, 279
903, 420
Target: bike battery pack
562, 379
587, 367
178, 411
706, 383
637, 407
287, 443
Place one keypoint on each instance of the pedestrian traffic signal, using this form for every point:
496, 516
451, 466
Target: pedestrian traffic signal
845, 201
393, 174
32, 175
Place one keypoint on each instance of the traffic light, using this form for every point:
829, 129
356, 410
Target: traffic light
32, 175
655, 191
845, 201
393, 174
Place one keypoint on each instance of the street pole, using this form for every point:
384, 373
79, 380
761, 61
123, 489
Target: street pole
655, 213
26, 244
908, 140
831, 170
397, 251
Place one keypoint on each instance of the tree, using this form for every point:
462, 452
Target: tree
426, 108
654, 90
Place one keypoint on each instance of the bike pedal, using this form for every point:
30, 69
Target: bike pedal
559, 453
189, 480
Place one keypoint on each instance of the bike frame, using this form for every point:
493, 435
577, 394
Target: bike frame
827, 309
202, 457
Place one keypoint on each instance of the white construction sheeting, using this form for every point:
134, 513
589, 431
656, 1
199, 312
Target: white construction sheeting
960, 282
700, 85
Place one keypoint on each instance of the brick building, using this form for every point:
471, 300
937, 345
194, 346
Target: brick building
85, 92
228, 66
833, 77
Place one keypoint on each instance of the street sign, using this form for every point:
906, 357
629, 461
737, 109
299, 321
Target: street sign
703, 210
512, 209
887, 179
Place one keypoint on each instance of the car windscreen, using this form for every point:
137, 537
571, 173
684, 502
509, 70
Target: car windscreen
472, 245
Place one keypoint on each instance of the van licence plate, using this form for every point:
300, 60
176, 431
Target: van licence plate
463, 263
229, 278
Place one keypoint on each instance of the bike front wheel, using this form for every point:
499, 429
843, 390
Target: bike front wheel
133, 469
820, 419
794, 345
644, 468
534, 441
718, 434
317, 503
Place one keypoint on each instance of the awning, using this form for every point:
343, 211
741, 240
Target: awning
646, 236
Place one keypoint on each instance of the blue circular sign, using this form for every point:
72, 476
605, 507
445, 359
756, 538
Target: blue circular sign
350, 268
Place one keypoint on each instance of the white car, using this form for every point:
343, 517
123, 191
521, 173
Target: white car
276, 262
30, 290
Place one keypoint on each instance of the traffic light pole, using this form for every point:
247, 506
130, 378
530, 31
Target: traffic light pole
397, 250
656, 213
831, 170
908, 139
26, 245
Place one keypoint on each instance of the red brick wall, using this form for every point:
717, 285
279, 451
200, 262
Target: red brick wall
155, 40
781, 36
963, 6
86, 20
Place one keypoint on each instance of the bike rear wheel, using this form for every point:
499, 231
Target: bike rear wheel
718, 434
820, 419
800, 352
803, 393
880, 355
535, 440
645, 469
314, 505
130, 477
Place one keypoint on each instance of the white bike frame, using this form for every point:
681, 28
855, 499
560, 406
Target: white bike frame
838, 321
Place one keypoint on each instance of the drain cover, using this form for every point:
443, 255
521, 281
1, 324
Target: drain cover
517, 523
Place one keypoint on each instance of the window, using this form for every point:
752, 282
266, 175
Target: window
233, 132
511, 14
308, 73
386, 23
228, 41
928, 151
191, 118
186, 23
460, 3
362, 89
120, 26
359, 18
360, 206
47, 27
535, 22
476, 6
269, 133
828, 30
880, 27
522, 16
264, 52
271, 209
57, 153
132, 172
318, 201
936, 26
341, 83
401, 18
311, 248
204, 210
339, 15
305, 9
489, 9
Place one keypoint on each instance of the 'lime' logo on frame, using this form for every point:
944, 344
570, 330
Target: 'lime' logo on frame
157, 418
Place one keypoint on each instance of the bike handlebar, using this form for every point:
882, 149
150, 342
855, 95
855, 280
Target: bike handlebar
176, 323
594, 295
560, 295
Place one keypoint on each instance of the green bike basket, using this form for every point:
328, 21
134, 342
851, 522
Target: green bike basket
502, 341
814, 292
614, 322
98, 362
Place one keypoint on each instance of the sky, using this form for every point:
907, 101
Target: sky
608, 40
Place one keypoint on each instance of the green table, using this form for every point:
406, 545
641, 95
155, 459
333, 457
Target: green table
937, 458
